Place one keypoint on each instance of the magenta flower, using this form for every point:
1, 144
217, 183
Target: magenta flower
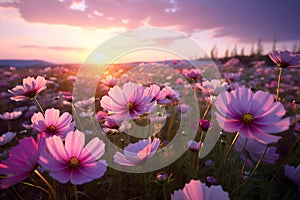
195, 190
11, 115
22, 160
285, 59
205, 124
72, 161
129, 102
52, 123
253, 115
137, 153
30, 88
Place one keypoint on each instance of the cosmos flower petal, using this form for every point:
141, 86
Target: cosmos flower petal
56, 148
276, 127
74, 143
121, 159
195, 190
13, 179
259, 135
94, 170
63, 176
93, 150
178, 195
51, 116
137, 153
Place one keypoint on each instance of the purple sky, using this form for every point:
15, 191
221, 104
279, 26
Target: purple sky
243, 21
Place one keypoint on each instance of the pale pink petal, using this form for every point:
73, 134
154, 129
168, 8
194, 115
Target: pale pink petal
74, 143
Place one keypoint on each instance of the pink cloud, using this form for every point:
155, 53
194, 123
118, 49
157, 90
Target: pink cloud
247, 20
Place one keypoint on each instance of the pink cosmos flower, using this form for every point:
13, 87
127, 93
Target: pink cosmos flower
253, 115
192, 74
194, 145
285, 59
129, 102
6, 138
52, 123
195, 190
255, 150
293, 173
171, 95
30, 88
109, 81
22, 160
137, 153
213, 87
157, 94
11, 115
231, 76
85, 103
72, 161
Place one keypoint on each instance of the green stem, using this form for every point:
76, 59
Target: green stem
47, 183
143, 185
198, 156
8, 126
75, 192
224, 163
207, 109
39, 105
287, 194
165, 192
76, 116
36, 186
253, 171
278, 83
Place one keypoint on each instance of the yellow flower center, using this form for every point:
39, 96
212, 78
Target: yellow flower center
74, 162
247, 118
52, 128
130, 105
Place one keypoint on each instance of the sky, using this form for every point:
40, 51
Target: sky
67, 31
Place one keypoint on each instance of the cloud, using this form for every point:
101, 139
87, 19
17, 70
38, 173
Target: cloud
57, 48
246, 20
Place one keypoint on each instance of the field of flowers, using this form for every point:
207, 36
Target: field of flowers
52, 146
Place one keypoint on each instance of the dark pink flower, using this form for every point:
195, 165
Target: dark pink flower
129, 102
22, 160
285, 59
253, 115
137, 153
30, 88
195, 190
52, 123
205, 124
72, 161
